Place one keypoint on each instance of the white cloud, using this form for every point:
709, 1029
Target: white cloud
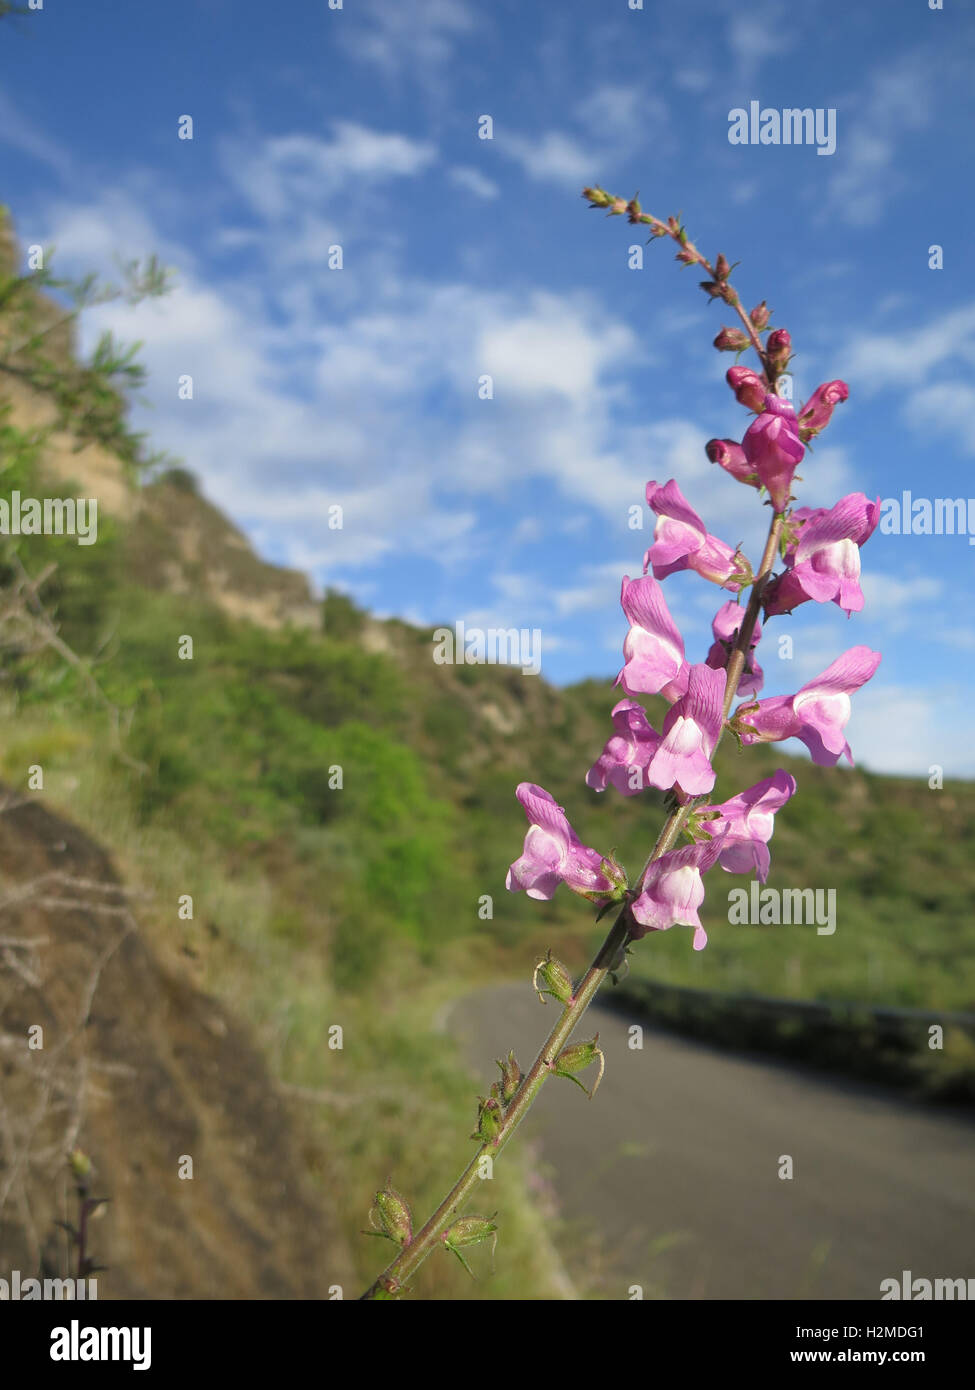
551, 349
871, 126
552, 158
877, 360
757, 34
946, 408
299, 170
23, 134
895, 729
416, 38
474, 181
896, 600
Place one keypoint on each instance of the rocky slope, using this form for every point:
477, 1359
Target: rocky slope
142, 1072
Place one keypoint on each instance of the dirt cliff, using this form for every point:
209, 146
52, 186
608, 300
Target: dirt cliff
142, 1072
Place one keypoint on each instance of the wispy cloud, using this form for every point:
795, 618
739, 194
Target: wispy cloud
416, 38
474, 181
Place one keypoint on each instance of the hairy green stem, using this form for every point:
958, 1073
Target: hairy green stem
393, 1279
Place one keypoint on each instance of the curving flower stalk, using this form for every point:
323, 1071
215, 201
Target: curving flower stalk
821, 552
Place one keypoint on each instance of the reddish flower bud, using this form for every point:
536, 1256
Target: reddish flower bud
750, 389
721, 268
816, 413
779, 349
712, 288
731, 340
760, 315
731, 456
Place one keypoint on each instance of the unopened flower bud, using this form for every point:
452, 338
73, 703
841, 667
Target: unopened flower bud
815, 415
721, 268
712, 288
778, 349
577, 1058
731, 456
469, 1230
393, 1215
510, 1077
598, 197
687, 257
750, 389
489, 1119
80, 1166
760, 315
731, 340
557, 980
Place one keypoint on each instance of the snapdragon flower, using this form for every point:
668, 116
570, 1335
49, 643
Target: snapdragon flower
682, 542
824, 558
817, 714
554, 854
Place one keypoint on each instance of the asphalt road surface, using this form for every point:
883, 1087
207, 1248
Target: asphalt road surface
669, 1178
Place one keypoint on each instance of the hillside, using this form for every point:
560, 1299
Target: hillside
141, 1070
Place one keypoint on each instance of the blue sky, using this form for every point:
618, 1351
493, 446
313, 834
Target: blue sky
462, 257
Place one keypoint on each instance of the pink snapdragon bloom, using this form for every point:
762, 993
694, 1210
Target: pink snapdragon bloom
690, 732
817, 714
773, 449
631, 749
554, 854
824, 559
680, 756
816, 414
653, 649
750, 389
726, 626
681, 542
731, 456
745, 824
673, 891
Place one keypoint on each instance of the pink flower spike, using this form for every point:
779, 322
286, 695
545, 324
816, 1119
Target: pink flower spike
816, 414
774, 450
653, 648
726, 626
681, 542
746, 822
824, 561
690, 732
554, 854
623, 762
818, 713
673, 891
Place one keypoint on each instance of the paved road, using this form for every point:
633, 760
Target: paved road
677, 1161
